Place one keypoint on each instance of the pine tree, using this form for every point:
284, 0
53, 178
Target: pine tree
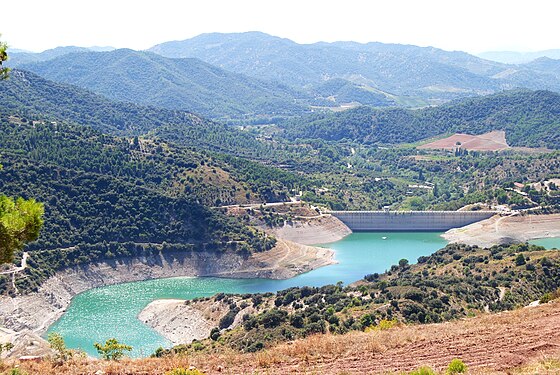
3, 57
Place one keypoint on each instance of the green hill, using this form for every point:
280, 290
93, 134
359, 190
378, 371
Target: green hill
530, 118
185, 84
26, 93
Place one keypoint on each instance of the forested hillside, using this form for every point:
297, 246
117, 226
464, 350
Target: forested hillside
529, 118
184, 84
27, 94
99, 188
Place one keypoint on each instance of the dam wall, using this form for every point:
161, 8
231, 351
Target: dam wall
409, 220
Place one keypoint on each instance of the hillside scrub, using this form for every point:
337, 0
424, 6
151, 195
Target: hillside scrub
455, 282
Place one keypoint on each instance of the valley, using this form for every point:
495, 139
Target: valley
244, 203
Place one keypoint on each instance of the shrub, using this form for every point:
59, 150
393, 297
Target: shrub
422, 371
273, 318
255, 347
547, 297
228, 319
112, 350
456, 366
197, 345
57, 344
520, 260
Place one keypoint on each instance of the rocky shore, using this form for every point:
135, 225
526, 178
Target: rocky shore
506, 229
316, 230
36, 311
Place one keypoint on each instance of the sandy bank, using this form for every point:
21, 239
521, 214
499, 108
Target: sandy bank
506, 229
314, 230
38, 310
182, 322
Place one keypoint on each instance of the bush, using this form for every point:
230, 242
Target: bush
423, 371
112, 350
57, 344
520, 260
456, 367
228, 319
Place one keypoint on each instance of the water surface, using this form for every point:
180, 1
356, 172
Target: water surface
549, 243
102, 313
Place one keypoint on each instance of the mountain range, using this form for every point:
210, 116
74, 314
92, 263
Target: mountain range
258, 78
187, 84
402, 70
512, 57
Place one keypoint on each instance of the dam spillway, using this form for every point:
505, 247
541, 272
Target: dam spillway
409, 220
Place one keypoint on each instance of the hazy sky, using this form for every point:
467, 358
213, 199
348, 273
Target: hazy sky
472, 26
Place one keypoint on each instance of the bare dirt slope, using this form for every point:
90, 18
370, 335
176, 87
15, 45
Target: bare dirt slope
316, 230
492, 141
489, 344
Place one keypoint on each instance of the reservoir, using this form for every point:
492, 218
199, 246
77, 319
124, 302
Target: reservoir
102, 313
548, 243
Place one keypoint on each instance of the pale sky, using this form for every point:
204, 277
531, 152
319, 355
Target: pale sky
473, 26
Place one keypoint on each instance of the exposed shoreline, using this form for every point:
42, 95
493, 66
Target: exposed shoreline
37, 311
320, 229
506, 229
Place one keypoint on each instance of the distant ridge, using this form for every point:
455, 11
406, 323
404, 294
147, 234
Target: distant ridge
402, 70
512, 57
20, 57
186, 84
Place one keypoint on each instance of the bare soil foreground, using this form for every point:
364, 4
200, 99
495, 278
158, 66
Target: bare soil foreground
526, 340
492, 141
506, 229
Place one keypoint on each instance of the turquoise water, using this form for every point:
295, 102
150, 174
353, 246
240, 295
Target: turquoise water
112, 311
549, 243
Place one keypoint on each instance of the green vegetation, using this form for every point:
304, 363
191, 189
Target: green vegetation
20, 222
106, 196
455, 282
6, 346
456, 367
3, 57
530, 119
59, 346
378, 176
112, 350
184, 84
423, 371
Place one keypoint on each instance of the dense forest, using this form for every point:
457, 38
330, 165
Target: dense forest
182, 84
529, 118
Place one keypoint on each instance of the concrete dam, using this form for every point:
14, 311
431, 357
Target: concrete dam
409, 220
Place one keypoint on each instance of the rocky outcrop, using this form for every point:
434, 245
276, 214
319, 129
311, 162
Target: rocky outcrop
506, 230
310, 231
181, 321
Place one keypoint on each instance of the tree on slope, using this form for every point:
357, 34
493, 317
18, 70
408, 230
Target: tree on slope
20, 219
3, 57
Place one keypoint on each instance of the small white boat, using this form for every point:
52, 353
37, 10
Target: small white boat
383, 238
